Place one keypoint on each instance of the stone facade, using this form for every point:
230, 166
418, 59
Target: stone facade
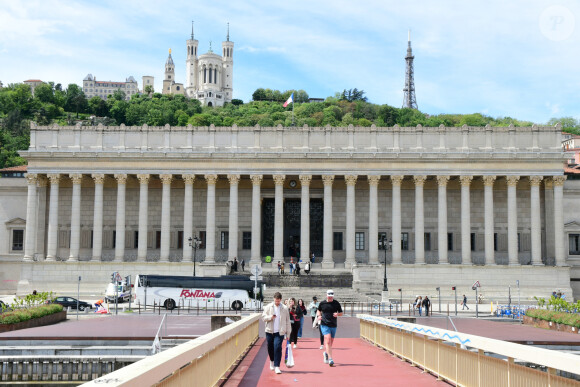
467, 197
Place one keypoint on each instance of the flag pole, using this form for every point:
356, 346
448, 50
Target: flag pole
293, 124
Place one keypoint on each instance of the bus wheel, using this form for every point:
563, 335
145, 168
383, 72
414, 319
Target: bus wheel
169, 304
237, 305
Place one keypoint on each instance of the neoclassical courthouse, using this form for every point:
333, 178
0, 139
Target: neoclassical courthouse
459, 204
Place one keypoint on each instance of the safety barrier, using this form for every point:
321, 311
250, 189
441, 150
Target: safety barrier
487, 362
204, 360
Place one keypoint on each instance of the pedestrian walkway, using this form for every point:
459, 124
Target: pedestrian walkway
357, 363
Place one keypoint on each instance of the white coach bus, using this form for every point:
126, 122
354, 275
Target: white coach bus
235, 292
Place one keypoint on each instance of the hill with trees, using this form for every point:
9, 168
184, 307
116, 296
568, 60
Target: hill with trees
53, 104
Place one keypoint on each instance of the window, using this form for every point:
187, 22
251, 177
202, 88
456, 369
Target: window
337, 241
225, 240
359, 241
135, 239
472, 241
573, 241
180, 239
157, 239
246, 240
427, 241
450, 241
404, 241
202, 238
495, 241
17, 240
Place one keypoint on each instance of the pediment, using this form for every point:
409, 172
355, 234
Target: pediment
572, 225
16, 222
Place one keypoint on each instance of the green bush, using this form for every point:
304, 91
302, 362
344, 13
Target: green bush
19, 315
571, 319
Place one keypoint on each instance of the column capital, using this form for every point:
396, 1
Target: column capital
99, 178
373, 180
256, 179
327, 179
31, 178
488, 180
188, 179
279, 179
559, 180
42, 181
419, 180
397, 180
211, 179
535, 181
466, 180
166, 178
234, 179
121, 178
54, 178
143, 178
351, 179
76, 178
512, 181
305, 180
442, 180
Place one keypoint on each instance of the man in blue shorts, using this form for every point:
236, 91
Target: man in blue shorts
327, 313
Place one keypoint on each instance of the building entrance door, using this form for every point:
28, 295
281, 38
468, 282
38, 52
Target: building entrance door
292, 228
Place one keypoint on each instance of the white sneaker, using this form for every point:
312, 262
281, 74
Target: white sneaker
325, 356
272, 366
294, 345
278, 370
322, 347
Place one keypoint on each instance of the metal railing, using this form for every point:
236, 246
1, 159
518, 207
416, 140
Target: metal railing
440, 352
205, 360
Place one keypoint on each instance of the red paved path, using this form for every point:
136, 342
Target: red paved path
358, 363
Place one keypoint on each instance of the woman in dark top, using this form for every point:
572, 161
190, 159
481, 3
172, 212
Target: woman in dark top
295, 316
303, 307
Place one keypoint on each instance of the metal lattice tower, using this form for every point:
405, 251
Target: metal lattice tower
409, 99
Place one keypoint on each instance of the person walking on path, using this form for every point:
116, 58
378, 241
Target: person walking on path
279, 267
426, 305
291, 265
243, 263
303, 308
295, 316
235, 264
328, 312
307, 268
419, 304
313, 307
277, 319
464, 303
282, 268
297, 268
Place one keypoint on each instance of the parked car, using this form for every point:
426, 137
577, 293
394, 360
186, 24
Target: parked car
72, 302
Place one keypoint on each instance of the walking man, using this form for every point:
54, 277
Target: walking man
464, 303
426, 305
328, 312
277, 319
243, 263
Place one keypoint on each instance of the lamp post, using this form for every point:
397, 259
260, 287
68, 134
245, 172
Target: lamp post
194, 243
385, 247
439, 291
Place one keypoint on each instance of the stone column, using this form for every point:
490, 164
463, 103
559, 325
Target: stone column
188, 179
99, 180
512, 182
328, 248
465, 220
536, 226
143, 217
165, 217
210, 219
30, 242
419, 220
350, 220
75, 222
396, 215
560, 252
279, 218
305, 218
233, 227
549, 247
41, 218
52, 243
373, 219
442, 219
256, 220
120, 227
489, 224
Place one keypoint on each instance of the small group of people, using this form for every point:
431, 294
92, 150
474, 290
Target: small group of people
286, 318
558, 294
234, 265
422, 303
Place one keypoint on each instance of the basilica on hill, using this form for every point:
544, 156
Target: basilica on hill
209, 76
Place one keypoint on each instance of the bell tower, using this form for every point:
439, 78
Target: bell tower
192, 83
228, 67
169, 74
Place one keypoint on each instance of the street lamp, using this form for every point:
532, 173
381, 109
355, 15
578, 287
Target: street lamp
194, 243
385, 247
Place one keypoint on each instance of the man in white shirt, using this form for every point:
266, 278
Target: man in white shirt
277, 319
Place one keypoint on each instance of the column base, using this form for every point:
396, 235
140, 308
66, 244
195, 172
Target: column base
95, 259
50, 259
72, 259
328, 265
514, 264
27, 259
349, 265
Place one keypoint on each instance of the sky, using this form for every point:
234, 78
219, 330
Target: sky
516, 58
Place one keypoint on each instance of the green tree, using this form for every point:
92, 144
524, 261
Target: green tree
75, 99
